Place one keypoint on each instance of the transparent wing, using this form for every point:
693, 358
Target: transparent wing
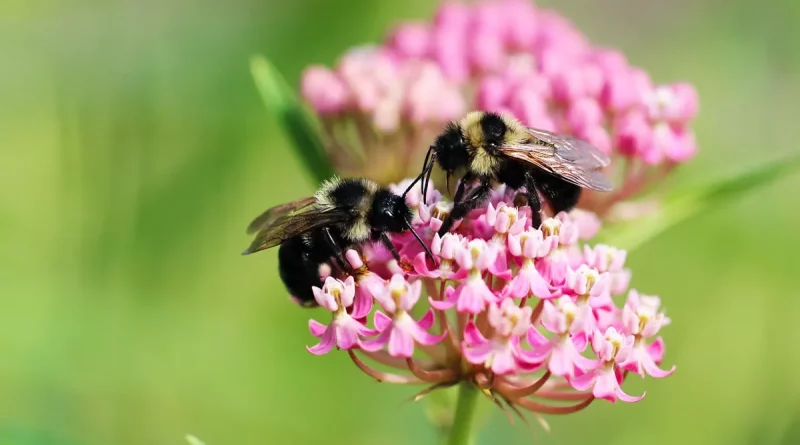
279, 211
570, 158
288, 226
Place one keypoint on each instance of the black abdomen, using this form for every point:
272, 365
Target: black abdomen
299, 260
299, 270
560, 194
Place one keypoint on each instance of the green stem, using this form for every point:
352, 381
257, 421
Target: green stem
461, 431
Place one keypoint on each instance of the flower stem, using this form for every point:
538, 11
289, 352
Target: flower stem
461, 431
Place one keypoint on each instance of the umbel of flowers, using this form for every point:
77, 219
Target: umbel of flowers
533, 316
382, 105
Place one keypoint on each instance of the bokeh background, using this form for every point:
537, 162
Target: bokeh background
134, 150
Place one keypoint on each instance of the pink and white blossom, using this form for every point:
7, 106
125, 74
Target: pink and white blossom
344, 331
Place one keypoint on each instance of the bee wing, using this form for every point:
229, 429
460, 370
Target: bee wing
290, 225
570, 158
273, 213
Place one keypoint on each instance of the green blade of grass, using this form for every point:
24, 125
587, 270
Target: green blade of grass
282, 102
690, 203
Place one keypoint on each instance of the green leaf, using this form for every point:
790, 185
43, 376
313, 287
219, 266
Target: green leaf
193, 440
686, 205
281, 102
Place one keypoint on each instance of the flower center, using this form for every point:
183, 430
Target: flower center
551, 227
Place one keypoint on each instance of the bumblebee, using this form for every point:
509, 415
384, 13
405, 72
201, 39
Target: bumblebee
314, 230
494, 148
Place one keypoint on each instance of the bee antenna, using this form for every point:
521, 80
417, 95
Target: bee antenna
421, 175
427, 168
413, 183
422, 243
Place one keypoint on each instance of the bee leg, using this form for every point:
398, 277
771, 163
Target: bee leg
533, 201
475, 198
384, 238
338, 253
462, 187
389, 245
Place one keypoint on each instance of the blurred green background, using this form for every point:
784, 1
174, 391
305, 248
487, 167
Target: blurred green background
135, 150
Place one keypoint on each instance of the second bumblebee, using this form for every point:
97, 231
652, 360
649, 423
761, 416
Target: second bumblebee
494, 148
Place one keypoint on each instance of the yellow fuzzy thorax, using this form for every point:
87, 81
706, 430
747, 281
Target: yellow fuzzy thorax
483, 162
359, 229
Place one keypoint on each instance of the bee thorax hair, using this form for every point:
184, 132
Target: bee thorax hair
358, 231
353, 194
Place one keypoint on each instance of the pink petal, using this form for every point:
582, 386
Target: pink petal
421, 267
362, 304
538, 286
410, 298
654, 371
514, 245
527, 360
346, 335
628, 398
326, 342
477, 354
580, 340
519, 286
316, 328
552, 319
656, 350
472, 335
427, 320
536, 339
503, 361
450, 300
349, 292
500, 267
382, 321
606, 385
584, 381
401, 344
376, 344
560, 363
324, 299
422, 336
470, 300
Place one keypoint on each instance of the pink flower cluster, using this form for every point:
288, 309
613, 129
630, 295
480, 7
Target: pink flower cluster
507, 56
522, 312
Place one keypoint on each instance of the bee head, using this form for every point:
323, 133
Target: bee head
493, 129
389, 212
450, 149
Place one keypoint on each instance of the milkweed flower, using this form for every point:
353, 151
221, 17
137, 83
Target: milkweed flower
494, 312
397, 329
390, 98
344, 331
533, 316
605, 377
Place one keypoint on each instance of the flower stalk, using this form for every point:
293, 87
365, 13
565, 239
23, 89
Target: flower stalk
461, 432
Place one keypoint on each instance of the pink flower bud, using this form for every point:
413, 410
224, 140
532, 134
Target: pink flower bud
633, 134
568, 85
411, 40
584, 113
686, 96
493, 91
683, 146
521, 24
487, 54
323, 90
